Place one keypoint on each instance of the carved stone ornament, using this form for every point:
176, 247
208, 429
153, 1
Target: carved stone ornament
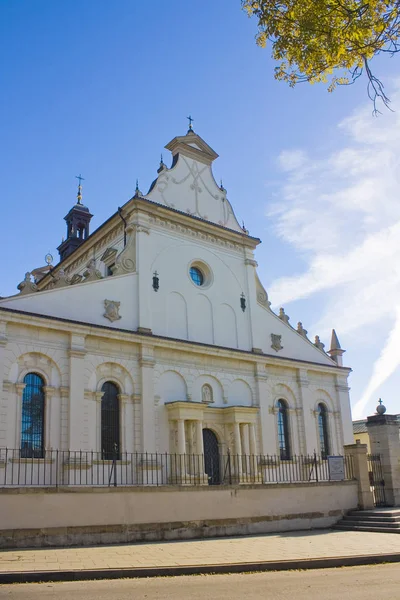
27, 286
283, 316
61, 279
301, 330
92, 274
126, 259
319, 344
112, 310
276, 342
207, 394
262, 296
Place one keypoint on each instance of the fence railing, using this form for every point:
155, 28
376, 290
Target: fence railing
86, 468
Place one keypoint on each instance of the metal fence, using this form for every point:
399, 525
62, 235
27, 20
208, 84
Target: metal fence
84, 468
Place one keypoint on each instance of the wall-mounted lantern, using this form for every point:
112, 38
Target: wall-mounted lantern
242, 302
156, 281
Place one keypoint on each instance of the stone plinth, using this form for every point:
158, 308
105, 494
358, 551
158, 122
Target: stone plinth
384, 438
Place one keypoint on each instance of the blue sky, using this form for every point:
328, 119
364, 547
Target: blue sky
100, 87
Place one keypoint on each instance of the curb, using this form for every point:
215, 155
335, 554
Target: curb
136, 572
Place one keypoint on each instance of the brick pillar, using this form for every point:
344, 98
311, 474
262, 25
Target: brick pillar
383, 431
358, 452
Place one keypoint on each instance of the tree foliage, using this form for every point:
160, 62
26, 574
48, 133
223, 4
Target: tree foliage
330, 41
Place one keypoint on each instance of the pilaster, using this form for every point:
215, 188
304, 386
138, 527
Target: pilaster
358, 452
148, 416
77, 355
267, 422
384, 439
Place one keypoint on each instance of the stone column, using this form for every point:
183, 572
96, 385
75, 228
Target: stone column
358, 454
238, 449
345, 435
77, 392
199, 437
306, 419
252, 435
123, 400
181, 437
19, 391
253, 448
148, 429
268, 441
52, 418
143, 258
384, 439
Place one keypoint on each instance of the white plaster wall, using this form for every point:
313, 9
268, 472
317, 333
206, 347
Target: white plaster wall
84, 301
168, 505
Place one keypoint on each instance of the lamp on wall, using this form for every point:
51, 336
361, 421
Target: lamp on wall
242, 302
156, 281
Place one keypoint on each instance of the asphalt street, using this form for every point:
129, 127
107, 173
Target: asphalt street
357, 583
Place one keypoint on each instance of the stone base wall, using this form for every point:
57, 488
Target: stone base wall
76, 516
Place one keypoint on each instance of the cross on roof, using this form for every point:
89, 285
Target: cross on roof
189, 118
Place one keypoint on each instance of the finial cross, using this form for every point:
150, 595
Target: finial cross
80, 178
189, 118
380, 400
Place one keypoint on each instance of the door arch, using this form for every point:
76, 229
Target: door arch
211, 457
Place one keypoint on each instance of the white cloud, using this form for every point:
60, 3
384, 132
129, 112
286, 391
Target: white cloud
342, 212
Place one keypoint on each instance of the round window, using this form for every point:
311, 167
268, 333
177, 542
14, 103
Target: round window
196, 276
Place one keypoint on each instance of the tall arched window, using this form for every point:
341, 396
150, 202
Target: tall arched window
110, 445
32, 421
283, 430
323, 430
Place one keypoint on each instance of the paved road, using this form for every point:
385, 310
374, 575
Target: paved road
357, 583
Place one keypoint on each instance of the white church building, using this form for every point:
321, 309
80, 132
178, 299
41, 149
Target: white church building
155, 334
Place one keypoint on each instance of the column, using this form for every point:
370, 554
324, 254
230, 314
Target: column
305, 421
148, 429
98, 396
245, 446
252, 436
143, 263
253, 448
238, 449
181, 437
199, 437
76, 392
345, 435
384, 439
124, 420
268, 429
52, 418
19, 390
358, 454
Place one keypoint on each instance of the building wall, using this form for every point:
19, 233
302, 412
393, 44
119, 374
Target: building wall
101, 515
75, 361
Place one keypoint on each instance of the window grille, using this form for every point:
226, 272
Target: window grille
283, 430
323, 430
32, 422
110, 427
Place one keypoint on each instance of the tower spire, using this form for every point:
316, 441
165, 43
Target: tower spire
79, 194
336, 351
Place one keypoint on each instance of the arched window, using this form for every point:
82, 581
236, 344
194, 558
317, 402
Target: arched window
32, 421
323, 430
283, 430
110, 446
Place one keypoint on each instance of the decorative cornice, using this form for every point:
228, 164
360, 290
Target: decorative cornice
147, 362
76, 353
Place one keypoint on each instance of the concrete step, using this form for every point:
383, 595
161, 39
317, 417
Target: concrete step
377, 518
343, 526
381, 512
369, 523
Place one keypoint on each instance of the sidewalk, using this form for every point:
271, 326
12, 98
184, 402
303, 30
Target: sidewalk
304, 549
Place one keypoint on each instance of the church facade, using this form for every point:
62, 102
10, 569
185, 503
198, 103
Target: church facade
154, 334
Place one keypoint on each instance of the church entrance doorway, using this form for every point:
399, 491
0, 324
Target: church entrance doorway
211, 457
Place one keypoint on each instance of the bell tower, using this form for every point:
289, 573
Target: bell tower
77, 220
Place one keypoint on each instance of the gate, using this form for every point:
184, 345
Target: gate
376, 479
211, 457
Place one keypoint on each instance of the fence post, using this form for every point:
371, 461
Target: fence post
358, 454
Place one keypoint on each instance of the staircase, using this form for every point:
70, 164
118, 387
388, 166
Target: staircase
383, 520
